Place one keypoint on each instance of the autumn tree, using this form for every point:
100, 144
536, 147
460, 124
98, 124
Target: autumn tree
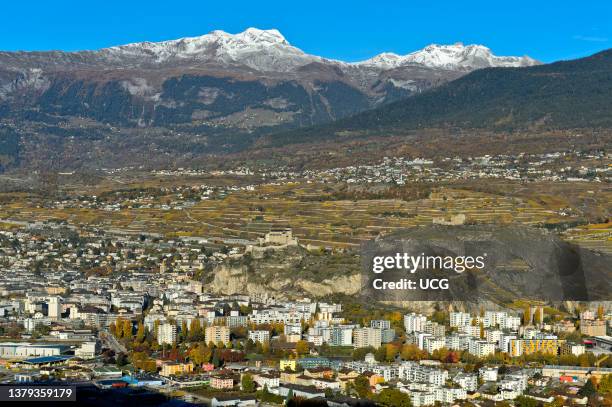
412, 352
118, 327
200, 354
537, 317
140, 332
391, 352
600, 312
195, 330
127, 329
112, 329
527, 315
302, 347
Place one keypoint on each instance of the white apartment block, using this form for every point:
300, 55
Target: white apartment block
166, 334
470, 330
458, 319
292, 329
492, 336
54, 308
422, 374
432, 344
510, 323
488, 374
467, 381
481, 348
341, 336
505, 340
380, 324
457, 341
259, 336
414, 323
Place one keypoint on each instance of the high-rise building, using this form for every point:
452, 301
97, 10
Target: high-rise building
380, 324
260, 336
217, 334
364, 337
292, 329
414, 323
481, 348
458, 319
54, 308
387, 335
166, 333
595, 327
519, 347
341, 336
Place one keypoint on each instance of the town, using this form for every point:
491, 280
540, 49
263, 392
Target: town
130, 312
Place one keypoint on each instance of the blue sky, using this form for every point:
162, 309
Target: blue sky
347, 30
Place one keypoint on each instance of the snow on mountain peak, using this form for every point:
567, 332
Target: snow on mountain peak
452, 57
265, 36
268, 50
264, 50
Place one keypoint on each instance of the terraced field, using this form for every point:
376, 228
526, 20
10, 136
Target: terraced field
314, 217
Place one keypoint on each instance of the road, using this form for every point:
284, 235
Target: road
112, 342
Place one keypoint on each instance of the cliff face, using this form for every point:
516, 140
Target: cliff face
287, 272
522, 264
238, 279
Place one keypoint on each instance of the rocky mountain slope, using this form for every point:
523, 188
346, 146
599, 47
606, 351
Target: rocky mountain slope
521, 263
246, 81
562, 95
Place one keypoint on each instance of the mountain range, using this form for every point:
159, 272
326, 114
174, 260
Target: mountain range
167, 103
245, 81
573, 94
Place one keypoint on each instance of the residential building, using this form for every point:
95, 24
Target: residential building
260, 336
364, 337
166, 333
217, 334
414, 323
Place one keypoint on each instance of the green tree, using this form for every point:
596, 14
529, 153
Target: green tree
289, 397
362, 386
393, 398
588, 389
184, 332
380, 354
605, 384
215, 359
523, 401
121, 359
247, 383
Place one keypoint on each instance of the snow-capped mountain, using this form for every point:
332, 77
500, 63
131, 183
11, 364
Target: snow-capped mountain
450, 57
269, 51
262, 50
219, 83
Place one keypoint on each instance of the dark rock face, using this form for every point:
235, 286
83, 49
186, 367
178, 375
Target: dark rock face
519, 263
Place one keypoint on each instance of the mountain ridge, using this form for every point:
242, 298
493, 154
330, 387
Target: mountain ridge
230, 48
562, 95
